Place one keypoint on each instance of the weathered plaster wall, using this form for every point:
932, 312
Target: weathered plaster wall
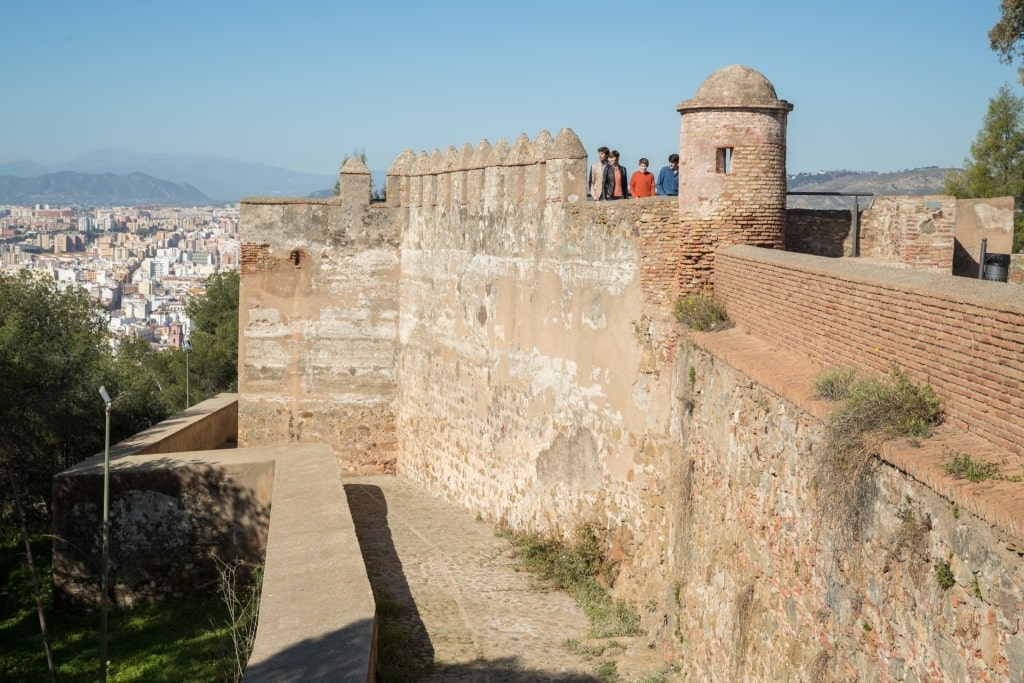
531, 385
981, 219
319, 319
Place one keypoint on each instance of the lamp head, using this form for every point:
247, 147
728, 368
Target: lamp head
186, 345
105, 395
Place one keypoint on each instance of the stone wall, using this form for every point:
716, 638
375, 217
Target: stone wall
533, 339
962, 336
166, 521
318, 325
754, 579
938, 233
916, 231
822, 232
536, 378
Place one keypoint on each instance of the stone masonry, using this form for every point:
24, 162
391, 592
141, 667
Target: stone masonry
493, 336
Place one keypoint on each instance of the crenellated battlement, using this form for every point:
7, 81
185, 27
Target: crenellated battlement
484, 178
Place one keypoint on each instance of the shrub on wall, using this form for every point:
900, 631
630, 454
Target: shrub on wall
701, 312
873, 410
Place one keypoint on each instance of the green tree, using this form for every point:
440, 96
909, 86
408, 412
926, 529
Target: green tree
213, 364
144, 383
1006, 36
995, 167
53, 353
53, 359
356, 154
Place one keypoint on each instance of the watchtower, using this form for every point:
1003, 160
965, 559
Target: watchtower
732, 160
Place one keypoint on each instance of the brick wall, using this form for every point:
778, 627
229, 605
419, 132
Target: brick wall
963, 336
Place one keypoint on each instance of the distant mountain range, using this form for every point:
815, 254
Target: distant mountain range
219, 180
68, 188
116, 177
918, 181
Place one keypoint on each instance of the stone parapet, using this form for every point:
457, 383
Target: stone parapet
548, 170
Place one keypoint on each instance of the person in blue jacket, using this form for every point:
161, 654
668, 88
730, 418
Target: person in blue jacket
668, 177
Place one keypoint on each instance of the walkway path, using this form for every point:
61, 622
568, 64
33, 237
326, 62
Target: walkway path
460, 603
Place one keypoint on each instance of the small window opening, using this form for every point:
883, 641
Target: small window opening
296, 257
723, 163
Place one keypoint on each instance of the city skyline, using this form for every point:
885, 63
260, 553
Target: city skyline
876, 86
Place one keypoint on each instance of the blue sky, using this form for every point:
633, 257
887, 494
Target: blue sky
877, 86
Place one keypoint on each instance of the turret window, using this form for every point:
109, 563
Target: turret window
723, 162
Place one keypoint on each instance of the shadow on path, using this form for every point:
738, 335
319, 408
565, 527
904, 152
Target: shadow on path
391, 591
478, 618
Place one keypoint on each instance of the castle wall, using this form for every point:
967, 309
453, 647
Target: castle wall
937, 233
537, 377
318, 327
962, 336
916, 231
534, 334
756, 582
822, 232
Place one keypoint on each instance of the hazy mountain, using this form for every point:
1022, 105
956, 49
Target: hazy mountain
219, 180
919, 181
222, 180
68, 188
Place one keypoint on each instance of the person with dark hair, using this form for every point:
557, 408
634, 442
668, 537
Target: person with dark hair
668, 178
615, 183
641, 183
596, 180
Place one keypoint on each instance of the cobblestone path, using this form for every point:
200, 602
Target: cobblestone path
458, 609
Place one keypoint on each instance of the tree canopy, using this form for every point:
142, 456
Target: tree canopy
54, 357
1007, 36
215, 338
995, 167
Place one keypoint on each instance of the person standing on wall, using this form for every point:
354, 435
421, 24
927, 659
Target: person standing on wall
615, 183
596, 181
641, 183
668, 178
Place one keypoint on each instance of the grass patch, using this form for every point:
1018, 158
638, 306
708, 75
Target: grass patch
944, 575
580, 569
701, 312
834, 385
608, 672
963, 466
872, 411
166, 641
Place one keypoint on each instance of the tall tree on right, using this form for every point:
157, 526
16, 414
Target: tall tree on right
1007, 36
995, 167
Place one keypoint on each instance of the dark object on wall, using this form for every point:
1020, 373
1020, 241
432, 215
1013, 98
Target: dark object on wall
997, 267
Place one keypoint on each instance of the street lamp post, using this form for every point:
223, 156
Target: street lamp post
109, 404
186, 346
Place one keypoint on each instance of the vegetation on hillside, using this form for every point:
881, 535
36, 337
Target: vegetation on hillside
175, 640
54, 357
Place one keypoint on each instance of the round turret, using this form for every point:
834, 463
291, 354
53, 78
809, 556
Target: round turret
732, 160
